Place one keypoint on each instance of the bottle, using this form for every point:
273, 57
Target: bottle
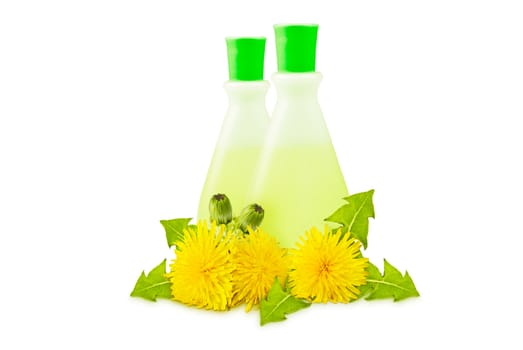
244, 126
298, 181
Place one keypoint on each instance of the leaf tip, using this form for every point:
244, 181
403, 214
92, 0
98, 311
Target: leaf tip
140, 278
415, 293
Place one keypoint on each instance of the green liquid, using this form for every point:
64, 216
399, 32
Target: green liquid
231, 172
298, 187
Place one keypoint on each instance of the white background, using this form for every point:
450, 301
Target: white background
109, 111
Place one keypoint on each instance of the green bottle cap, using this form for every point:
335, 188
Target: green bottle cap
296, 47
246, 58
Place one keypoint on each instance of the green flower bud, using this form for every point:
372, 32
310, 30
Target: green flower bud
220, 209
251, 216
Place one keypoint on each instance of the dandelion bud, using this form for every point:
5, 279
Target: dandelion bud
220, 209
251, 216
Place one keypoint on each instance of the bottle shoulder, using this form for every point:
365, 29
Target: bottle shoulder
301, 78
300, 83
257, 85
300, 75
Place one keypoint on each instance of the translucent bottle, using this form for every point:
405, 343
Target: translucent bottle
298, 181
244, 126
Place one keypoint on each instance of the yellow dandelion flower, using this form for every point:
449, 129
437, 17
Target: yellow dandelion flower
258, 260
201, 274
326, 267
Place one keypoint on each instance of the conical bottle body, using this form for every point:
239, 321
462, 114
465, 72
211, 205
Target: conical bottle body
239, 144
298, 179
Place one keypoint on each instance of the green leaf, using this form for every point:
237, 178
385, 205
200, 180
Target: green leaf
392, 284
278, 304
174, 229
355, 215
154, 285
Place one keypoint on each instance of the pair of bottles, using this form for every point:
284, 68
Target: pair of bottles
286, 163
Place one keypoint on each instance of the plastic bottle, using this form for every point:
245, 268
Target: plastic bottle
244, 126
298, 181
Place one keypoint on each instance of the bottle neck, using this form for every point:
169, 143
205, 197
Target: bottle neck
246, 119
297, 87
297, 116
246, 94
